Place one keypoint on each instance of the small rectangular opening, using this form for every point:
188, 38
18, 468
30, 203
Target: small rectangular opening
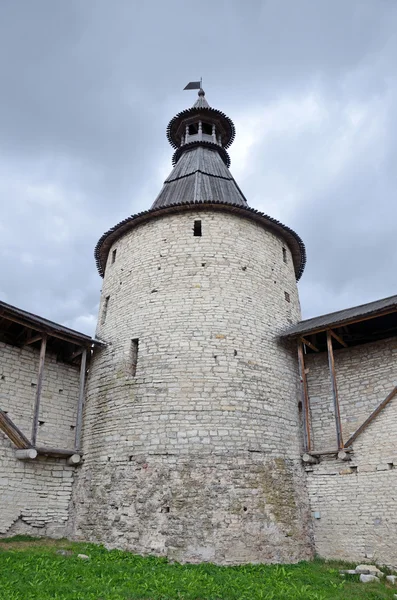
285, 254
287, 296
114, 256
134, 355
105, 309
197, 228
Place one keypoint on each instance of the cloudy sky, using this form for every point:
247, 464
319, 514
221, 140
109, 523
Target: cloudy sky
88, 87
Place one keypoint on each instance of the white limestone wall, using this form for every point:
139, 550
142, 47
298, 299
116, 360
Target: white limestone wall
356, 501
35, 495
197, 455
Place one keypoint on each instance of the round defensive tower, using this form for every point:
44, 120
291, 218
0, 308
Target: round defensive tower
191, 436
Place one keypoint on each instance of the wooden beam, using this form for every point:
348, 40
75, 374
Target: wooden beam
309, 344
28, 454
325, 452
60, 452
338, 338
309, 459
371, 417
74, 460
343, 455
33, 339
80, 404
39, 386
331, 364
305, 398
76, 354
12, 432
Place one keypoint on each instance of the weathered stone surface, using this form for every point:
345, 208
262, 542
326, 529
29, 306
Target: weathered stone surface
83, 556
197, 457
369, 578
391, 579
371, 569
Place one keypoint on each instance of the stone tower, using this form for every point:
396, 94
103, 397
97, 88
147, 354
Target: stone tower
191, 427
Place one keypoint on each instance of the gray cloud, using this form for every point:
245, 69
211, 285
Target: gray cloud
88, 88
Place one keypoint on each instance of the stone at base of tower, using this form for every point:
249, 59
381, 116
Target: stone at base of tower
241, 508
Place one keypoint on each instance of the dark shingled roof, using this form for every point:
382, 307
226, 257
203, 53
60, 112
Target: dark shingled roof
200, 175
203, 109
44, 325
341, 317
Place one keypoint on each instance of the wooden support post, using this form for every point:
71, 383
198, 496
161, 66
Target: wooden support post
305, 398
331, 364
38, 389
79, 418
372, 416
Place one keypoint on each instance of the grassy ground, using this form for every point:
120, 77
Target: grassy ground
32, 570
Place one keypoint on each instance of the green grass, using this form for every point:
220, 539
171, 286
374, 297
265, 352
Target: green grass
32, 570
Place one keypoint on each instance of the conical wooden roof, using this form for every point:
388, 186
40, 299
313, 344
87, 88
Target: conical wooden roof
200, 175
201, 180
201, 171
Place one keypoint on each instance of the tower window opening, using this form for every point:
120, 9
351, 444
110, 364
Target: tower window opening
134, 355
197, 228
114, 256
284, 254
287, 296
193, 129
105, 309
207, 128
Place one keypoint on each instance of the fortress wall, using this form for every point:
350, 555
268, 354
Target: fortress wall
35, 495
197, 455
356, 499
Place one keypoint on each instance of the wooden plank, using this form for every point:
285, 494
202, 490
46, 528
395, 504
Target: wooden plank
305, 398
371, 417
79, 417
331, 364
338, 338
39, 386
309, 344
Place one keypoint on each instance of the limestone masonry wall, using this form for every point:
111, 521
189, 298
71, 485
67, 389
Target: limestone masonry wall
356, 500
35, 495
196, 455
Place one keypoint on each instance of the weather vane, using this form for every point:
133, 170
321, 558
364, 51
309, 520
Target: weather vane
194, 85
